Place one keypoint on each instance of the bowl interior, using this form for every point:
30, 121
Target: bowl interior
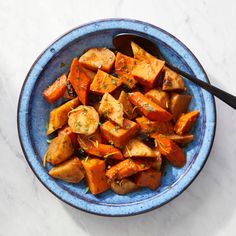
38, 114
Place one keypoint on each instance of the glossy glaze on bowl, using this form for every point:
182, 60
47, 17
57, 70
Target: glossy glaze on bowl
33, 113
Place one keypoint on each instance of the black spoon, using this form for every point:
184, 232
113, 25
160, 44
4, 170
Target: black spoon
122, 43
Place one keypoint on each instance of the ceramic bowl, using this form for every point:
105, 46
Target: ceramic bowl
33, 114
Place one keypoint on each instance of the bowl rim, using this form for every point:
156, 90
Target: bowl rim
98, 22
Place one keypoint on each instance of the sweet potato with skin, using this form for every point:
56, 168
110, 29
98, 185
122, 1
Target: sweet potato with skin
70, 171
98, 58
148, 126
79, 80
58, 116
185, 122
56, 89
172, 81
170, 150
150, 109
60, 149
98, 149
136, 148
119, 135
104, 82
158, 96
179, 104
181, 139
147, 70
129, 110
148, 178
112, 109
123, 68
123, 186
95, 175
127, 168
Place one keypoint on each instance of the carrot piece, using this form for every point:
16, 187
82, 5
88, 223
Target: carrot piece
56, 89
73, 136
123, 68
148, 178
104, 82
150, 109
185, 122
98, 58
59, 150
119, 135
148, 126
127, 168
170, 150
95, 175
70, 171
58, 116
79, 80
148, 68
99, 149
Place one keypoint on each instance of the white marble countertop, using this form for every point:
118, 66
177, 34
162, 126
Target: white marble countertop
207, 207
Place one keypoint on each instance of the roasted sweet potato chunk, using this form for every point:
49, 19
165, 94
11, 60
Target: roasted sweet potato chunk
70, 171
123, 186
56, 89
123, 68
98, 58
119, 135
181, 139
104, 82
158, 96
58, 116
150, 109
60, 149
95, 175
185, 122
112, 109
136, 148
172, 81
179, 104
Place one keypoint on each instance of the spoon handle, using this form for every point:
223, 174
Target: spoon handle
222, 95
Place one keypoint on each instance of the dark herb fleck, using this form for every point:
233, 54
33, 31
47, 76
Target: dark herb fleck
62, 64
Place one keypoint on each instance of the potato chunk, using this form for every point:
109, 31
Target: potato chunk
112, 108
158, 96
136, 148
179, 104
172, 81
70, 171
123, 186
60, 149
83, 120
98, 58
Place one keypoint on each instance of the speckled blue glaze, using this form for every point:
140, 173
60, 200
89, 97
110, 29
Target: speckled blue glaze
33, 113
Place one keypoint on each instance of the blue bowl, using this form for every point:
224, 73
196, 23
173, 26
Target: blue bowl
33, 113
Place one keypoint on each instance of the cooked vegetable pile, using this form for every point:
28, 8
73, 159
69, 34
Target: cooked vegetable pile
123, 117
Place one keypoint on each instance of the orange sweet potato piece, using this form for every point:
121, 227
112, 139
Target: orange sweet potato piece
95, 175
104, 82
98, 58
170, 150
148, 69
129, 110
60, 149
127, 168
98, 149
119, 135
79, 80
70, 171
185, 122
123, 68
150, 109
148, 178
148, 126
56, 89
58, 116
